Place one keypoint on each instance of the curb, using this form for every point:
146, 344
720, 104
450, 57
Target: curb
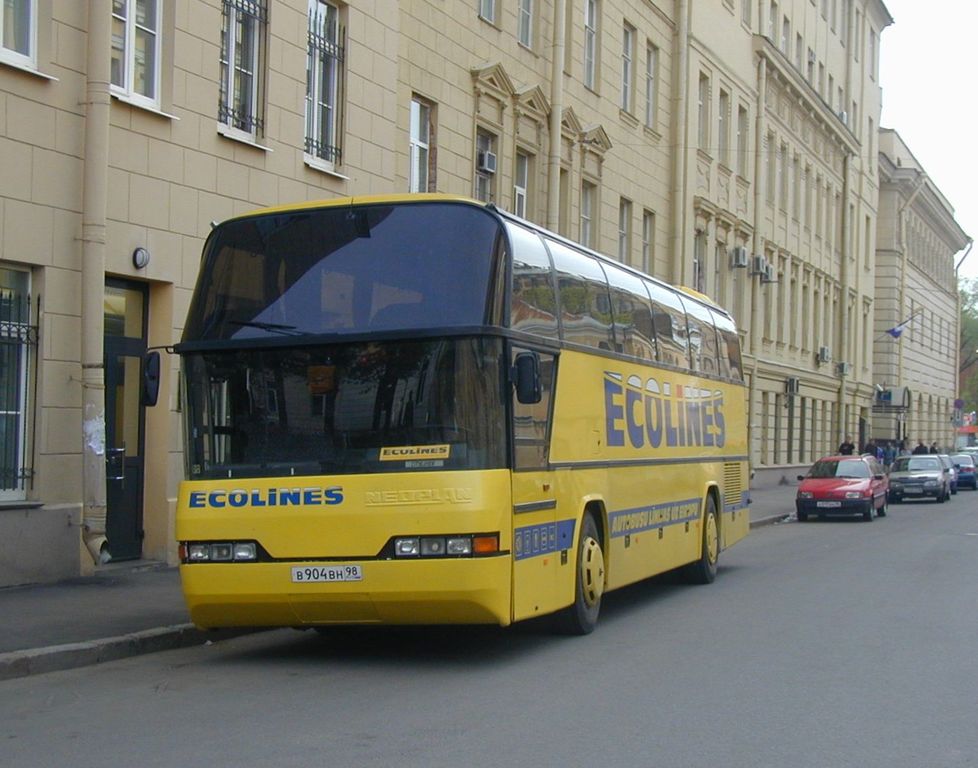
53, 658
771, 520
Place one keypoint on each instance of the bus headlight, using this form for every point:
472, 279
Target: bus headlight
218, 551
446, 546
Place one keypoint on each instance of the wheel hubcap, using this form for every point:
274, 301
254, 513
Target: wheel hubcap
712, 539
592, 572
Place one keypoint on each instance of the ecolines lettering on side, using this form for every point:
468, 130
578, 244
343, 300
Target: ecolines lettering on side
657, 414
271, 497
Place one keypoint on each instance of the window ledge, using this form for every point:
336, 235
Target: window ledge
241, 137
17, 63
121, 97
10, 505
322, 166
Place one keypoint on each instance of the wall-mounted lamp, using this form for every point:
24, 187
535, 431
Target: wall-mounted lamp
140, 258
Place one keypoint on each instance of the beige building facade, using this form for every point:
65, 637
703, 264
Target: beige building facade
729, 146
916, 335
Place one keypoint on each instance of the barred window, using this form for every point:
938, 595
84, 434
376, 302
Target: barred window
324, 83
242, 60
17, 341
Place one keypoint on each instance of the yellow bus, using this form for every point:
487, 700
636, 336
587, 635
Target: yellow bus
419, 409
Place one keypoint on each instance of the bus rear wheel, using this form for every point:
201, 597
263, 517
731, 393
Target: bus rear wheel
704, 570
581, 617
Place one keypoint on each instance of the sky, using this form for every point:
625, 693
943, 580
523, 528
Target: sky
928, 74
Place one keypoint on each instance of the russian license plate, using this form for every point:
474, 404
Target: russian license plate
912, 490
828, 504
326, 573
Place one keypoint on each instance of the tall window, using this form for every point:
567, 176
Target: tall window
18, 24
420, 146
648, 242
723, 135
627, 66
521, 184
743, 137
704, 112
651, 85
786, 37
772, 23
524, 23
485, 166
16, 339
745, 11
242, 39
624, 231
588, 194
590, 42
135, 62
487, 10
324, 79
699, 261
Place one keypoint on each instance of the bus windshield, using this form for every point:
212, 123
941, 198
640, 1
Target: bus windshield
342, 270
373, 407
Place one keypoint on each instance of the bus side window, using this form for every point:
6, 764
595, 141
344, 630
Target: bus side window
585, 305
669, 319
632, 313
702, 338
533, 303
729, 347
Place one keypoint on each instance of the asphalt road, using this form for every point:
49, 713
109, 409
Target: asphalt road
836, 643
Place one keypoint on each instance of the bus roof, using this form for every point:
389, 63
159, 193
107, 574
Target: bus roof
338, 202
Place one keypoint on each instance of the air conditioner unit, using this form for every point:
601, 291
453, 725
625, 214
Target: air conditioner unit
792, 385
738, 257
824, 355
486, 162
844, 117
811, 57
758, 265
842, 369
769, 276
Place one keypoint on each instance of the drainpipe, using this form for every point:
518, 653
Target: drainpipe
556, 113
905, 263
680, 132
95, 184
760, 182
845, 352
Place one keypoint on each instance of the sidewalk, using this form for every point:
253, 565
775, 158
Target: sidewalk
132, 608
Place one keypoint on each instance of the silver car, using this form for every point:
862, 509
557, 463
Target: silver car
919, 476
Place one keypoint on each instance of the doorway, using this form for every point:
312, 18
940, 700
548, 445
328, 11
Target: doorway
125, 315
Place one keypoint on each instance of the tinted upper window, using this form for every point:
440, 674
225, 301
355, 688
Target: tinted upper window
533, 305
669, 319
702, 338
345, 270
585, 305
632, 313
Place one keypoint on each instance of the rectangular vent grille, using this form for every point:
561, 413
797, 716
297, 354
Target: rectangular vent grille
733, 484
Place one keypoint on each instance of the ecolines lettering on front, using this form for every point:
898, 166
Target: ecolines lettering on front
270, 497
654, 414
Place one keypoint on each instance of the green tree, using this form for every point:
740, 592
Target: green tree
968, 371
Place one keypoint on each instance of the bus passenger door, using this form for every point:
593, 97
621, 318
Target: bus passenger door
536, 538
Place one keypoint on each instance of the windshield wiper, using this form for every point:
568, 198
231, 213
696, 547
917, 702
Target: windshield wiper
285, 330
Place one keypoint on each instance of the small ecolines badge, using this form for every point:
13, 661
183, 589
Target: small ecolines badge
412, 452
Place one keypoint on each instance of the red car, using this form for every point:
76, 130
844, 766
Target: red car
843, 485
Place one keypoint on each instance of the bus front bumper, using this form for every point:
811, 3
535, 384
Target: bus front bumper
436, 591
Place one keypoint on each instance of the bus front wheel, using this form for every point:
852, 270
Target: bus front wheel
581, 617
704, 570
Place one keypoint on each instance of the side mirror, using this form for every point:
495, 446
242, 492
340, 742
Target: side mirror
151, 379
526, 375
